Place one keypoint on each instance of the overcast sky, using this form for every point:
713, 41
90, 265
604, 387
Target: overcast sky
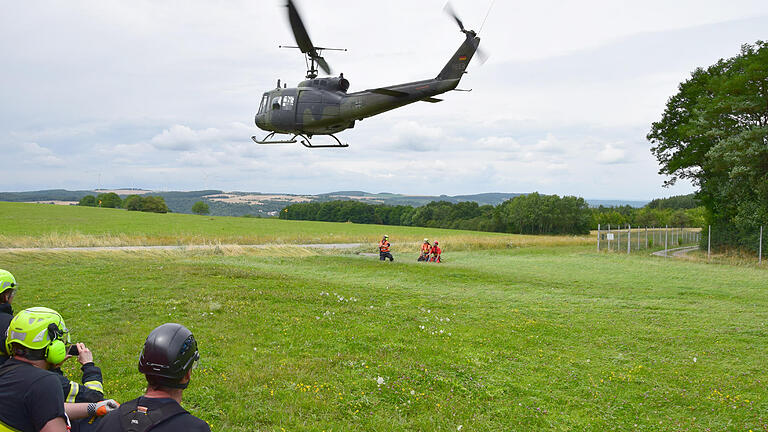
161, 94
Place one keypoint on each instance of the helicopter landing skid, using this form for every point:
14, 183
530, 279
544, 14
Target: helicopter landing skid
266, 140
308, 144
305, 141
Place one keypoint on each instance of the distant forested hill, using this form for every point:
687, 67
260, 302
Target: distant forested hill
260, 204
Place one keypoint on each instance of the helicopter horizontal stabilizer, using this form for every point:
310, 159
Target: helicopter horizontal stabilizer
432, 100
389, 92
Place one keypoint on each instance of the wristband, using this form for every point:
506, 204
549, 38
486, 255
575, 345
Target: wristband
91, 409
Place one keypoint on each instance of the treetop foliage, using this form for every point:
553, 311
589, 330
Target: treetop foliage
200, 208
528, 214
714, 132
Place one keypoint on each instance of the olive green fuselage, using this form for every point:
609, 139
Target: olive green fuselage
315, 110
322, 106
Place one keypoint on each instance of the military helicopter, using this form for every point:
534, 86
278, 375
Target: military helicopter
322, 106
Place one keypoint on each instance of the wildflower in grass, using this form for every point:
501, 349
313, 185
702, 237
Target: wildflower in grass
380, 380
694, 359
458, 428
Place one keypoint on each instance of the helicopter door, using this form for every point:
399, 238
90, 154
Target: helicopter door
282, 111
307, 107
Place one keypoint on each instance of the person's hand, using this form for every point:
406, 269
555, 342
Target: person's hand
103, 407
84, 354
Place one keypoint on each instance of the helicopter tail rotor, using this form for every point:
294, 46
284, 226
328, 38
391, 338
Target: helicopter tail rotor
482, 56
449, 10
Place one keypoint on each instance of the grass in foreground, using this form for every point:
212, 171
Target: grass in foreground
522, 339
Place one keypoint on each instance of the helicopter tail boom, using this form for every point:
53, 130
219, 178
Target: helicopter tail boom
458, 63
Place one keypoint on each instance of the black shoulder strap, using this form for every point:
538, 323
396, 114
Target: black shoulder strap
135, 418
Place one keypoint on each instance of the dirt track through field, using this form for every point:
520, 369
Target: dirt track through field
182, 247
676, 252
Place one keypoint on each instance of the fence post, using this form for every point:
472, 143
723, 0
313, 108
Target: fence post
609, 237
629, 238
709, 240
598, 237
666, 238
638, 239
646, 236
760, 253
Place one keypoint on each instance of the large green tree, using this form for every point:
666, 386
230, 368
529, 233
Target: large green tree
88, 201
714, 132
201, 208
109, 200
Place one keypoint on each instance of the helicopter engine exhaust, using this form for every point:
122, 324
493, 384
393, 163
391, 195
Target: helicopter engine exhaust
337, 83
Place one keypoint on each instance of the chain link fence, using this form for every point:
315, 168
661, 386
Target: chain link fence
628, 239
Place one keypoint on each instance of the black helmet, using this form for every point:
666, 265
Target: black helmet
169, 353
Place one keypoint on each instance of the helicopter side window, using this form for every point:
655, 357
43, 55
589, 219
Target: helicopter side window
276, 102
287, 103
263, 106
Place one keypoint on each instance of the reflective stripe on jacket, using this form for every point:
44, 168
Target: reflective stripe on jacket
384, 246
91, 389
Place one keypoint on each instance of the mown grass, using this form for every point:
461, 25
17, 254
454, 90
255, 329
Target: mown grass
40, 225
533, 338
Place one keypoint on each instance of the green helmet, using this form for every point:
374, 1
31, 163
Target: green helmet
39, 328
7, 281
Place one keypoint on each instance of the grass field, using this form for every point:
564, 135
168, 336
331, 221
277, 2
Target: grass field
545, 337
42, 225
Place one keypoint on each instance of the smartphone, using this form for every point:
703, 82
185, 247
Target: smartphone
73, 351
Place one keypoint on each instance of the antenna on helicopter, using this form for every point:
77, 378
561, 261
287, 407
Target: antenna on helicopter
311, 52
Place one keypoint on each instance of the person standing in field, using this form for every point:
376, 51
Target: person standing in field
436, 251
425, 250
8, 289
169, 355
384, 252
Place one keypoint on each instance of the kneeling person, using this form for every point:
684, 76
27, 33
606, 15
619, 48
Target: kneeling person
169, 355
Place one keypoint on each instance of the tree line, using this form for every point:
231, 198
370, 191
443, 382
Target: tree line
677, 211
527, 214
145, 203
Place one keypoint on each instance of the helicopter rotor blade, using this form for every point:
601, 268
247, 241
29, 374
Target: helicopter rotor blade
299, 31
449, 10
482, 55
323, 65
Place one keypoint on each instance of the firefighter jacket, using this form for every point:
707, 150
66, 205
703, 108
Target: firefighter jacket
425, 249
384, 246
6, 315
90, 390
436, 250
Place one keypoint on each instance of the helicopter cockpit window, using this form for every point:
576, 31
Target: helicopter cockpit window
263, 105
287, 102
276, 103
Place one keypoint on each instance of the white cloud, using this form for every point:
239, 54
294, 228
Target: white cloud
40, 155
180, 137
612, 155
